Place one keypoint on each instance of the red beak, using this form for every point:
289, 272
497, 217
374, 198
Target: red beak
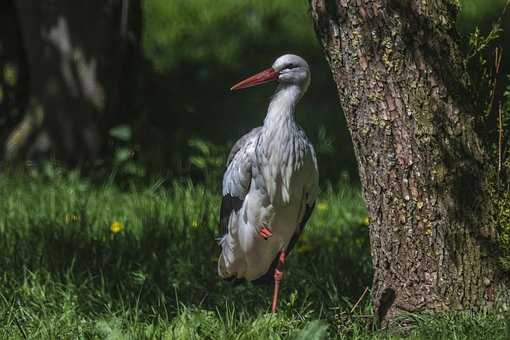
257, 79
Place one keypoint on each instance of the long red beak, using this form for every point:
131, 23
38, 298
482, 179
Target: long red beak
257, 79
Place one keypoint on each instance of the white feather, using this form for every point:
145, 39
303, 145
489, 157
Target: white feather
274, 171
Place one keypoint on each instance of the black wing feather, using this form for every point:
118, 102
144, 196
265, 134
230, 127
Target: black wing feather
229, 204
306, 217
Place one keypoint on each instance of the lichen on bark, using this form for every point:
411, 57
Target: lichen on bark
403, 89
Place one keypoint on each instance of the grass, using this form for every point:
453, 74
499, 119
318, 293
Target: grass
82, 260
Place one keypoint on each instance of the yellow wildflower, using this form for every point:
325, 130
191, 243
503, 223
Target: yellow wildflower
365, 220
194, 223
116, 227
322, 206
71, 217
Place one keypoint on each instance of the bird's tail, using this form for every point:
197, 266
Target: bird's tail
222, 268
231, 256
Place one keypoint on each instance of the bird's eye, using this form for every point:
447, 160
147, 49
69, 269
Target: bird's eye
290, 66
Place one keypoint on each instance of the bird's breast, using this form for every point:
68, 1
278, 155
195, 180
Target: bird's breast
283, 165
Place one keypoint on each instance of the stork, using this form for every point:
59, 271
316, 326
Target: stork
270, 184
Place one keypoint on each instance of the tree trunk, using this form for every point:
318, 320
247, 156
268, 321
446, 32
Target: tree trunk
77, 63
13, 71
402, 86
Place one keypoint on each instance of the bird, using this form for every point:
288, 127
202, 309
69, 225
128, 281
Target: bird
270, 184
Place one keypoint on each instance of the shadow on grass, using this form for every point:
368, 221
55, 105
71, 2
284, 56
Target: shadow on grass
160, 267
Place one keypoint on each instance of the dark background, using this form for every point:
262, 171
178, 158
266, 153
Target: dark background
169, 111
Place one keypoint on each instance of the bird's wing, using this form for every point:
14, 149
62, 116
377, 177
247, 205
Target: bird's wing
236, 185
237, 177
308, 201
242, 143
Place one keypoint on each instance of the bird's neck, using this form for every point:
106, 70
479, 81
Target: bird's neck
280, 114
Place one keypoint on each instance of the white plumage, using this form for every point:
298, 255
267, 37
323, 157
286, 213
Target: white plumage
271, 181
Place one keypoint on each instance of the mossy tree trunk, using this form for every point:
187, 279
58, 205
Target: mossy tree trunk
78, 57
402, 86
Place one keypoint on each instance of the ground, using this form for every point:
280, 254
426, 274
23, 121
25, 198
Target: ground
94, 261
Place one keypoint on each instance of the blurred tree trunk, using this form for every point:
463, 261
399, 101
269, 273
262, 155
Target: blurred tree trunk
78, 57
13, 70
402, 86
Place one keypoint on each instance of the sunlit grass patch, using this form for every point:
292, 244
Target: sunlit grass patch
83, 260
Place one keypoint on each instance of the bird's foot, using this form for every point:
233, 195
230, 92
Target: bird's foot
265, 233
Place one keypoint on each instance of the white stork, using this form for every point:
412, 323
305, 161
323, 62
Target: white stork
271, 183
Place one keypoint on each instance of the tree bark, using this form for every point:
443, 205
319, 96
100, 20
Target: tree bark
403, 89
78, 62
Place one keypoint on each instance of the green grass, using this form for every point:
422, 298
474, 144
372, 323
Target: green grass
65, 275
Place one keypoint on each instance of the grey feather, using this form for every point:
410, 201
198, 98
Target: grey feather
234, 186
241, 142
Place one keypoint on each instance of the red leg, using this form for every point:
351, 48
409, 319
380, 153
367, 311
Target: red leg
278, 276
265, 233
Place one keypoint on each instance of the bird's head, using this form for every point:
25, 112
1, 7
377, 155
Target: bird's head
289, 69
